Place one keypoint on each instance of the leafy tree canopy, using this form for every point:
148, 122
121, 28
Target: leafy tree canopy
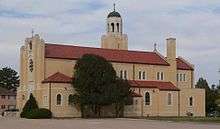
95, 83
9, 78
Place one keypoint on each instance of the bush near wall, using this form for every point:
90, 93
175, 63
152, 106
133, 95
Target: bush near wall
40, 113
32, 111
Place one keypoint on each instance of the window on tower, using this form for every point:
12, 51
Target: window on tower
117, 27
30, 45
113, 27
108, 27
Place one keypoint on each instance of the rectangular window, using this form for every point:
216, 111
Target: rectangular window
144, 76
184, 77
125, 74
2, 106
45, 101
181, 77
158, 75
191, 101
121, 74
3, 96
177, 77
139, 76
169, 102
162, 76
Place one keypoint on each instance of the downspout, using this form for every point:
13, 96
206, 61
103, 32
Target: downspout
133, 72
50, 97
192, 79
158, 104
179, 103
142, 107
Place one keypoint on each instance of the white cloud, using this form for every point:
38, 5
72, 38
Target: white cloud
195, 24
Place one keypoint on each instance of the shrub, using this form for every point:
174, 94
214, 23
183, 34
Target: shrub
40, 113
32, 111
30, 105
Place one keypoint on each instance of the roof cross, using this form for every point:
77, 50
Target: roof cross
32, 32
155, 46
114, 6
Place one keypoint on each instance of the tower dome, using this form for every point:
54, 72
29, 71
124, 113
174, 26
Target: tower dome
114, 23
114, 14
114, 38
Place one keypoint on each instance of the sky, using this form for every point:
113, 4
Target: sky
194, 23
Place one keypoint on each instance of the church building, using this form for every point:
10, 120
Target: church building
162, 85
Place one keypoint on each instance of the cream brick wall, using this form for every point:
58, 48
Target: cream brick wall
63, 110
44, 68
198, 108
188, 83
59, 65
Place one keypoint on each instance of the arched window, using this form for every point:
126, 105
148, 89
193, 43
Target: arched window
70, 99
147, 98
169, 99
58, 99
117, 27
191, 101
113, 27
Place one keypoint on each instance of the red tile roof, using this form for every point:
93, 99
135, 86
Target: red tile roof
154, 84
58, 78
123, 56
133, 94
61, 78
183, 65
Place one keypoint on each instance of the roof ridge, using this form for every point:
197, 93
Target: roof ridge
185, 61
161, 56
67, 45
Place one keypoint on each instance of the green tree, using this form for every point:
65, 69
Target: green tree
29, 106
93, 80
210, 95
9, 78
121, 96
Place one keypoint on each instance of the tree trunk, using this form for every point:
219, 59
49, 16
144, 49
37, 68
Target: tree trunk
82, 111
99, 111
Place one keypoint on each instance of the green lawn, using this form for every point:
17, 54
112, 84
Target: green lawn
188, 119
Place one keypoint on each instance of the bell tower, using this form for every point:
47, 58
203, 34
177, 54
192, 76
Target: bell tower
114, 38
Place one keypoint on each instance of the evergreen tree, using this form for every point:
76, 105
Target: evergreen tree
29, 106
209, 93
9, 78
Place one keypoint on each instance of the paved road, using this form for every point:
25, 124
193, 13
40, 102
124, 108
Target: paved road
6, 123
